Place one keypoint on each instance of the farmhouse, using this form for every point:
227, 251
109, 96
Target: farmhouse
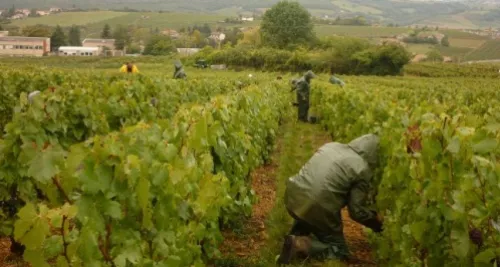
25, 11
54, 10
4, 33
42, 13
247, 18
24, 46
187, 51
217, 36
101, 43
18, 16
171, 33
79, 51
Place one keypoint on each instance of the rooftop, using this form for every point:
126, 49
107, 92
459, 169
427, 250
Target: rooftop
98, 41
79, 48
22, 38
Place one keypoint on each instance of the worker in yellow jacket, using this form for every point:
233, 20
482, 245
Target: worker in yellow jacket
129, 68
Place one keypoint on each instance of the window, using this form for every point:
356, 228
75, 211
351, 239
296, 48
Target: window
82, 54
90, 54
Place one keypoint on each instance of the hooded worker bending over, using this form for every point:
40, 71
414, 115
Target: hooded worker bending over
338, 175
179, 72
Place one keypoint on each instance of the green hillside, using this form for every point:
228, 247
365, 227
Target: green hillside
490, 50
450, 14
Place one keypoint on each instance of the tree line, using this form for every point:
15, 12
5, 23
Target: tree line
286, 41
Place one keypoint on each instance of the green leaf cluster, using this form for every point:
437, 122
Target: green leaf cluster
431, 199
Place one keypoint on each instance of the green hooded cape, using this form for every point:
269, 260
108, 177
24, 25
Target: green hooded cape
337, 175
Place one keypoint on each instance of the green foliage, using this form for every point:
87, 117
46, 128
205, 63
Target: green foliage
159, 45
57, 39
11, 11
434, 56
33, 13
341, 55
437, 183
445, 41
74, 38
382, 60
106, 32
355, 21
37, 31
488, 51
121, 36
452, 70
286, 25
189, 172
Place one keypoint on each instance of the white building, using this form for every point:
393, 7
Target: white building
42, 13
79, 51
247, 18
54, 10
188, 51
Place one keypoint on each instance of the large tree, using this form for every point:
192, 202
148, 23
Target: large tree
445, 41
159, 45
106, 32
33, 13
36, 31
121, 36
287, 24
11, 12
57, 39
74, 38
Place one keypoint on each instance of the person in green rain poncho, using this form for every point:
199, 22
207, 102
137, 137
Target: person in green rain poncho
337, 175
303, 87
179, 72
335, 80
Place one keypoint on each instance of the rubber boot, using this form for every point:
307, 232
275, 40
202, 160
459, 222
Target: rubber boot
293, 246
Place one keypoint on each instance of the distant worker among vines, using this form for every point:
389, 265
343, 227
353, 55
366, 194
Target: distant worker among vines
129, 67
335, 80
32, 95
338, 175
179, 72
303, 87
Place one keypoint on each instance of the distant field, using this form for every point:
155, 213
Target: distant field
160, 20
353, 7
451, 51
358, 31
467, 43
462, 35
94, 21
489, 50
71, 18
457, 21
419, 48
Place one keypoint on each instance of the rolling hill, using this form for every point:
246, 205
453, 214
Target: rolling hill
467, 13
